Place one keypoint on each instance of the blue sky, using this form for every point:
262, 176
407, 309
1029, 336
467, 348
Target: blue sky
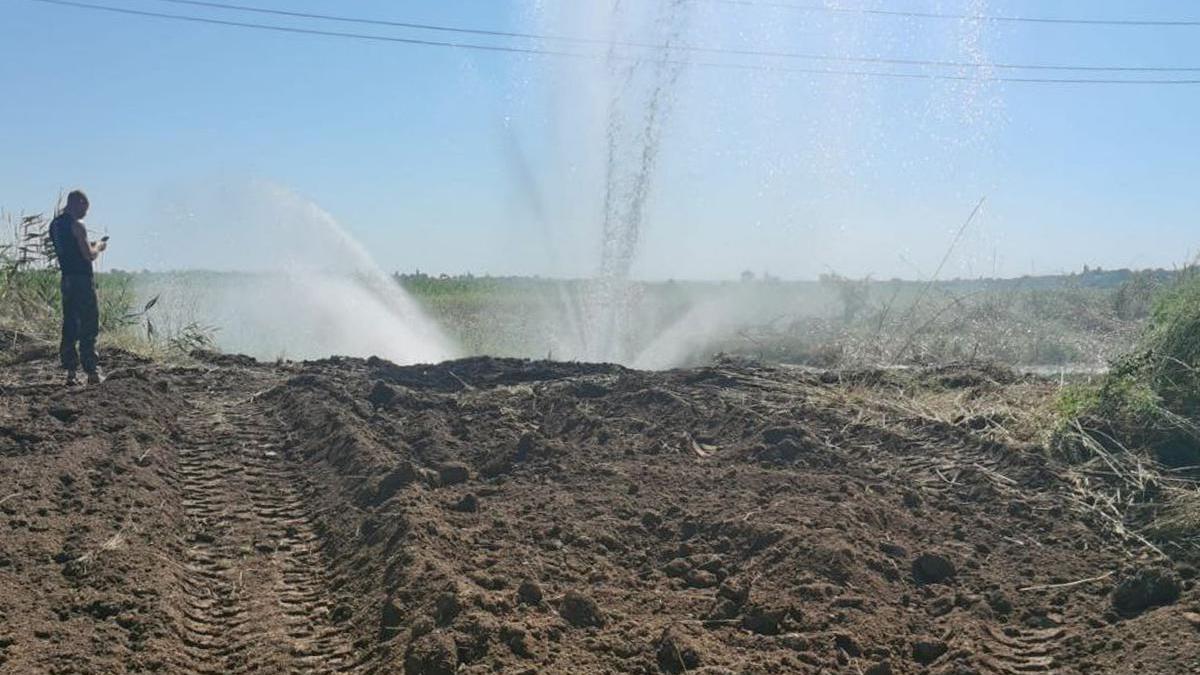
452, 160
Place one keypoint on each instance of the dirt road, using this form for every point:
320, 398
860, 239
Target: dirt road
506, 516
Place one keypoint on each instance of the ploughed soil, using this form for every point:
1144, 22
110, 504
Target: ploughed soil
353, 516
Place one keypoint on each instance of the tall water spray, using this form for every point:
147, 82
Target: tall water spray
802, 145
633, 94
637, 110
303, 286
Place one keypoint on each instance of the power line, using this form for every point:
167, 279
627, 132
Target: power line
1163, 23
599, 56
685, 48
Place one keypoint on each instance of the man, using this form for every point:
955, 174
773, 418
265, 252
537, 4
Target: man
81, 313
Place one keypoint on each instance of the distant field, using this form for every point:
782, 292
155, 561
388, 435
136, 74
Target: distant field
1077, 321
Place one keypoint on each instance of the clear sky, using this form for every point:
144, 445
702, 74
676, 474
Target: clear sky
454, 160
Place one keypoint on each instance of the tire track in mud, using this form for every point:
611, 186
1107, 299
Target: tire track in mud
255, 597
963, 469
1014, 650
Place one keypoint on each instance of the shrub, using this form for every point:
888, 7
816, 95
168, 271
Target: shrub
1150, 399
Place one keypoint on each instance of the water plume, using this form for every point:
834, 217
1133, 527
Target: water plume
304, 286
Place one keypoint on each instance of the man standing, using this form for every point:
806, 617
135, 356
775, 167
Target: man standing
81, 313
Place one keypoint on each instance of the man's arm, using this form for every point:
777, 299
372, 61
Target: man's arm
90, 250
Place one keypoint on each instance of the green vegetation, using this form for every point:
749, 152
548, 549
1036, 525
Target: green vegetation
1150, 399
1135, 433
31, 301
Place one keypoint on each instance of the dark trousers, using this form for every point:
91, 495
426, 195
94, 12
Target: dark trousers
81, 322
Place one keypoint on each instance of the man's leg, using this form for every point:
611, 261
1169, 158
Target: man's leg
89, 328
70, 326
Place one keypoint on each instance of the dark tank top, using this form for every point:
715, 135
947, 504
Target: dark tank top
70, 259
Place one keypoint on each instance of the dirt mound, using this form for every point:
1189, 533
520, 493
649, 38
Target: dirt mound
494, 515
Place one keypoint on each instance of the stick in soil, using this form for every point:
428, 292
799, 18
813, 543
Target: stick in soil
1078, 582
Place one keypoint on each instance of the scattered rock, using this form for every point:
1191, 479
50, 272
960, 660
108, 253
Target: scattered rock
929, 568
529, 592
1144, 589
432, 654
580, 610
926, 652
676, 653
893, 550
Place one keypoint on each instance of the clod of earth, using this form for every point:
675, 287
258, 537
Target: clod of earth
676, 653
529, 592
468, 503
846, 643
517, 640
930, 568
381, 394
677, 568
881, 668
1192, 618
446, 607
432, 654
737, 592
64, 414
926, 652
404, 474
453, 473
764, 620
390, 620
580, 610
1145, 588
701, 579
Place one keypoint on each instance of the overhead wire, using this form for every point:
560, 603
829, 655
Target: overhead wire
683, 47
602, 56
804, 7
